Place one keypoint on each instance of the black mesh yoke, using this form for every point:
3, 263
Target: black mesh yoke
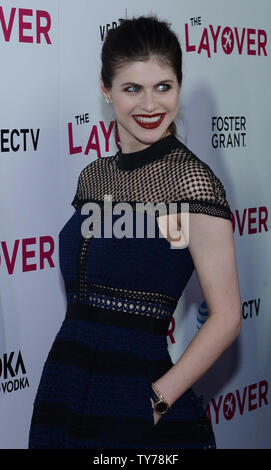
178, 175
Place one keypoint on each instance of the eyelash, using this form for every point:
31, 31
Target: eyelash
136, 86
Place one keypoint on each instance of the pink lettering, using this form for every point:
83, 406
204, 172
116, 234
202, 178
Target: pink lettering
262, 43
241, 403
263, 389
227, 40
28, 254
10, 264
106, 133
43, 29
229, 406
46, 254
7, 30
72, 149
251, 396
204, 43
215, 36
251, 220
188, 47
240, 45
242, 225
263, 216
10, 260
171, 330
23, 25
229, 403
95, 145
250, 41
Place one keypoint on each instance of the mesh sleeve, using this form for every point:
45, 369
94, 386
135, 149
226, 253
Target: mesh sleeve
203, 190
78, 195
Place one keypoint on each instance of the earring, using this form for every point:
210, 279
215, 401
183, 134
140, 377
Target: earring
107, 100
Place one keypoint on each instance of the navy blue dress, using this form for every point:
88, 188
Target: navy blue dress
94, 390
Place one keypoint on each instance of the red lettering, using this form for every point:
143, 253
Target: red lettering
251, 220
229, 406
241, 403
250, 41
251, 396
227, 40
11, 260
229, 403
215, 36
204, 43
263, 389
43, 29
263, 216
262, 44
23, 25
106, 133
10, 264
7, 30
241, 227
188, 47
72, 149
171, 330
46, 254
95, 145
240, 45
28, 254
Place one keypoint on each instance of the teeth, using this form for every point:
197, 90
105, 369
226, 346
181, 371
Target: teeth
144, 119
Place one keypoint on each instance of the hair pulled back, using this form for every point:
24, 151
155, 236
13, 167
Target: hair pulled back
137, 39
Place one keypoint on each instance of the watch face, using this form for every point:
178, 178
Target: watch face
161, 407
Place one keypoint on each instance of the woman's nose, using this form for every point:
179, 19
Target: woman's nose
148, 102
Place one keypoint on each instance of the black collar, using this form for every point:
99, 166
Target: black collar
130, 161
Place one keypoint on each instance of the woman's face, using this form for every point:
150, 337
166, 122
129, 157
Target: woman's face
143, 88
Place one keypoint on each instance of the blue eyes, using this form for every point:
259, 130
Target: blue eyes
136, 86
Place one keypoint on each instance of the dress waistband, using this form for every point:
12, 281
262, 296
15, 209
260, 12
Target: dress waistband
107, 316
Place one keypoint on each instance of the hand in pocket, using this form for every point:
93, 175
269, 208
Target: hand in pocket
156, 416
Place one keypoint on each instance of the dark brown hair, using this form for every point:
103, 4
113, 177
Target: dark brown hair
137, 39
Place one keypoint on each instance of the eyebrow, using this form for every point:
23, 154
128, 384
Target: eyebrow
133, 83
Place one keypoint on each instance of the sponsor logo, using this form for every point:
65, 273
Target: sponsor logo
12, 372
216, 39
228, 131
250, 308
202, 315
236, 403
30, 26
104, 28
19, 139
11, 257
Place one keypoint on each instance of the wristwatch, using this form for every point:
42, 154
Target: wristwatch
160, 405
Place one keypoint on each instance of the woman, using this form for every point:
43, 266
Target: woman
109, 381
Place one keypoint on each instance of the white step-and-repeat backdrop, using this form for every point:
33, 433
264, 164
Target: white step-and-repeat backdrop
54, 121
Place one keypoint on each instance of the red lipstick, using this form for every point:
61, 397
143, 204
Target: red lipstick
149, 125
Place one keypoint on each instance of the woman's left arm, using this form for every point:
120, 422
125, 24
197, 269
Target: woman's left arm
211, 245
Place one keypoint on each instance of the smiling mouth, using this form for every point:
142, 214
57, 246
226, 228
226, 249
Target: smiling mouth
148, 119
